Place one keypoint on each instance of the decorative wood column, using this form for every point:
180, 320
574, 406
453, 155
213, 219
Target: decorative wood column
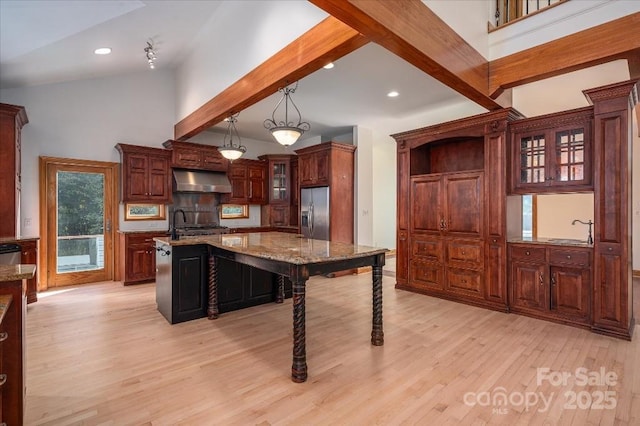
612, 292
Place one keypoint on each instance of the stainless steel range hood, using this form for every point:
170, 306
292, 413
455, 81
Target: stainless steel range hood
199, 181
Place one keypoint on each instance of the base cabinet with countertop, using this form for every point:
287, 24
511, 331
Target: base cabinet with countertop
138, 259
13, 340
551, 282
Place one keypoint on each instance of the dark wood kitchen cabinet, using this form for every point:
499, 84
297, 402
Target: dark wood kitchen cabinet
138, 257
332, 164
12, 119
182, 282
145, 174
553, 153
29, 256
279, 188
194, 156
551, 282
314, 165
248, 182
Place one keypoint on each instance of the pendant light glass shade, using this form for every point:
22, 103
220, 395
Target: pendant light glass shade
229, 149
284, 130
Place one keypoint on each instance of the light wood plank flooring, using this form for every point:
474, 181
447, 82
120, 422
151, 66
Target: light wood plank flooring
102, 354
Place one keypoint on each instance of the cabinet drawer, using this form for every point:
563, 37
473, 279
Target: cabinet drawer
527, 253
426, 274
464, 251
569, 257
465, 281
427, 248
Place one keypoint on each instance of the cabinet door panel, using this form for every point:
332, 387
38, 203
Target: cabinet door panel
425, 204
261, 285
528, 288
608, 290
213, 160
322, 167
570, 292
159, 186
496, 286
230, 288
187, 158
138, 261
464, 204
137, 167
307, 167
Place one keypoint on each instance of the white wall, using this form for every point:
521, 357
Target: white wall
635, 189
364, 181
239, 37
84, 120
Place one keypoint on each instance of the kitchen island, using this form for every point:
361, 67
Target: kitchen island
293, 257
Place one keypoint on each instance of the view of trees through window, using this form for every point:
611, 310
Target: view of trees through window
80, 221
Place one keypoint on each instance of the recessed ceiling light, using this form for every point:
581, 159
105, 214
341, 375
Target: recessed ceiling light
328, 66
102, 51
393, 94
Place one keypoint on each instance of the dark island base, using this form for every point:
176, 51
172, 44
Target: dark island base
182, 285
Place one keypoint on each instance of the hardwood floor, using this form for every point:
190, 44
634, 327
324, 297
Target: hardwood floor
102, 354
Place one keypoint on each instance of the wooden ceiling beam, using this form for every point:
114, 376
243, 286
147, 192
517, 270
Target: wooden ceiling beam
617, 39
412, 31
328, 41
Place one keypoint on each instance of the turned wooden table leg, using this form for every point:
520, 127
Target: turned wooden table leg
212, 310
299, 367
280, 294
377, 335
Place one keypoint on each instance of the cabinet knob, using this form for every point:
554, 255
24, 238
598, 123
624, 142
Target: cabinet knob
610, 249
3, 379
527, 253
3, 336
463, 252
568, 256
495, 240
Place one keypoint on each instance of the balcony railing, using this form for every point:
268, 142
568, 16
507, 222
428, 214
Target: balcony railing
511, 10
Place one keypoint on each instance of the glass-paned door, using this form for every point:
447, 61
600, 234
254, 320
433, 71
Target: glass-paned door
79, 227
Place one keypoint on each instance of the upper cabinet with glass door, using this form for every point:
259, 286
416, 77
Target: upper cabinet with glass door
552, 153
279, 178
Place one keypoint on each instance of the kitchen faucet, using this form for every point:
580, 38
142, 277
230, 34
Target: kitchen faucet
589, 238
174, 234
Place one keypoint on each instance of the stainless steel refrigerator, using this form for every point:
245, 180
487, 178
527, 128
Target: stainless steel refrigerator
314, 212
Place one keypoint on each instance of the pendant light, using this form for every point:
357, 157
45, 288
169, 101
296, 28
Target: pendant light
229, 149
286, 131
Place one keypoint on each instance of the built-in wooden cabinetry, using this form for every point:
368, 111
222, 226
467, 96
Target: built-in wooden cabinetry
451, 220
552, 153
551, 281
279, 188
294, 206
463, 255
248, 182
331, 164
613, 304
138, 256
145, 174
194, 156
12, 119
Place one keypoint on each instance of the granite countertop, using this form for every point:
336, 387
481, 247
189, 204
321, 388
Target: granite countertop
16, 272
5, 301
552, 241
5, 240
279, 246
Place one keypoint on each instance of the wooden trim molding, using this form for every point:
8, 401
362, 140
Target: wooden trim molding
617, 39
326, 42
636, 274
412, 31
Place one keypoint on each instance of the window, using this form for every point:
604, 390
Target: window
529, 216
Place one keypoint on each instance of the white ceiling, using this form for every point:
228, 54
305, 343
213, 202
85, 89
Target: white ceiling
52, 41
